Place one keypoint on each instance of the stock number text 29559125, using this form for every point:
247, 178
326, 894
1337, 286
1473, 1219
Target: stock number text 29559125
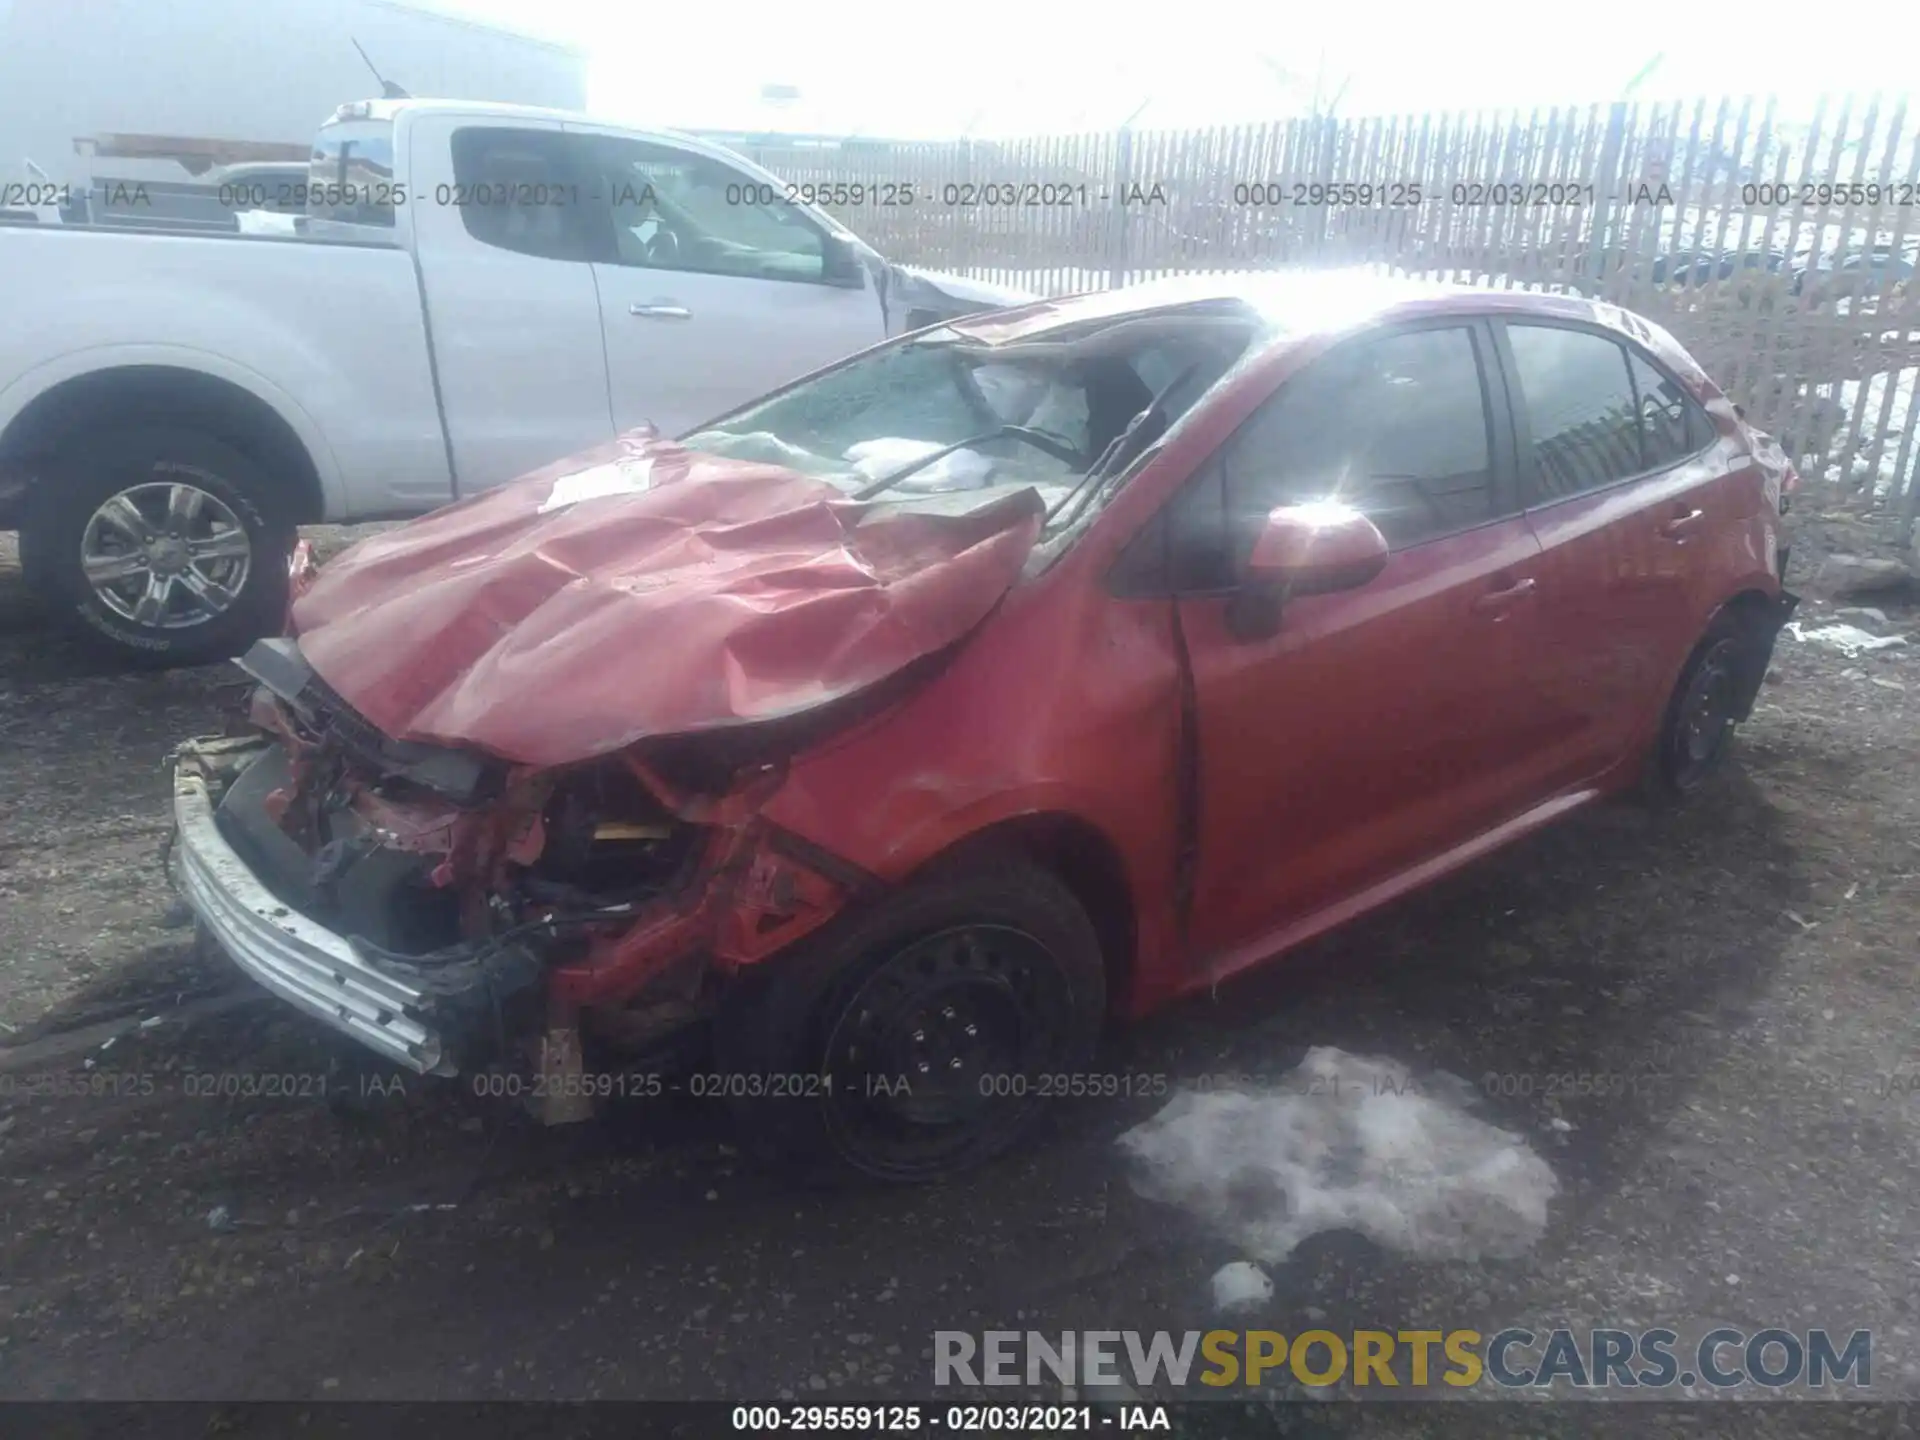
642, 1085
885, 193
1899, 193
954, 1419
961, 194
1329, 192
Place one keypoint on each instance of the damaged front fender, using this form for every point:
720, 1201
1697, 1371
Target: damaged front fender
756, 889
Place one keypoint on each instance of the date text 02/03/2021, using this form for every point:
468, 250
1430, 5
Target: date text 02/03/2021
1121, 1419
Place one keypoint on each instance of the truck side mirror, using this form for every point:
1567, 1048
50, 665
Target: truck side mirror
839, 265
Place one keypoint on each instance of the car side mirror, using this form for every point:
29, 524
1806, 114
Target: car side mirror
1312, 549
839, 265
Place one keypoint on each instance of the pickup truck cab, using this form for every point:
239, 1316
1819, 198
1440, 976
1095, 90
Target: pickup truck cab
472, 291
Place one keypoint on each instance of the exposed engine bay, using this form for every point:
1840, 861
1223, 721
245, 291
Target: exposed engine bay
611, 899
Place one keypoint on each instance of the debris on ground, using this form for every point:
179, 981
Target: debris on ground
1849, 640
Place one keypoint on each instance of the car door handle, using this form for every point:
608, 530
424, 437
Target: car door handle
1678, 527
660, 312
1497, 600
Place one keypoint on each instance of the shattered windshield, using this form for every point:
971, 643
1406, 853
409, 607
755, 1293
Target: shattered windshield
941, 413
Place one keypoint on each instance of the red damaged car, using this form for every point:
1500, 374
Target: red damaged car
882, 740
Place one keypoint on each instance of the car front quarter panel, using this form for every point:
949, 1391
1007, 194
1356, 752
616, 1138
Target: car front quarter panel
753, 890
1064, 706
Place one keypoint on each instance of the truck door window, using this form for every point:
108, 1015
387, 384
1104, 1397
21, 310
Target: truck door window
680, 210
516, 191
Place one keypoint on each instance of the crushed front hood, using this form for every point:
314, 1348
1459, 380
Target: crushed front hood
642, 589
944, 294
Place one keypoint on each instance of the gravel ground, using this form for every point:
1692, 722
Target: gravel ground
1746, 964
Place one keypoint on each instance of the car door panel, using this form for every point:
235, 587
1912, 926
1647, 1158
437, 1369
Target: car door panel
1379, 725
736, 305
683, 348
1621, 597
512, 312
1376, 727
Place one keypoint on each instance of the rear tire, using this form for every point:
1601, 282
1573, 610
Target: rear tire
163, 545
926, 1019
1696, 729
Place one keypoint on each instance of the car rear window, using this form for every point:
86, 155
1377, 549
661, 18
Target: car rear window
1672, 425
1580, 406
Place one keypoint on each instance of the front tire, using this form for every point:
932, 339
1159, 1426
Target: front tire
165, 546
911, 1040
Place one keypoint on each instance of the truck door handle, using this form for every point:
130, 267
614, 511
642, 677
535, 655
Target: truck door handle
1679, 525
1497, 600
660, 312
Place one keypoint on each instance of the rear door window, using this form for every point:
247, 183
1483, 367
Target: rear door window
1580, 409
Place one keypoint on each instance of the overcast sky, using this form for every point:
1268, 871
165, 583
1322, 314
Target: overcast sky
1001, 67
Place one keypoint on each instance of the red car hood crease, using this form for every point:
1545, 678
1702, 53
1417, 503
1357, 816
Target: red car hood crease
722, 593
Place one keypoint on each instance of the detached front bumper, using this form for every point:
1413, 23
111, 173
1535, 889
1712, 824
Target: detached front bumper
304, 963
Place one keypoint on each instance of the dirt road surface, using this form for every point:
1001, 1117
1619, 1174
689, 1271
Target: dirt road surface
183, 1215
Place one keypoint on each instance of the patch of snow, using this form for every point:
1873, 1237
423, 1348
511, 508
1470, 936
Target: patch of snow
1240, 1285
1892, 392
1345, 1142
1849, 640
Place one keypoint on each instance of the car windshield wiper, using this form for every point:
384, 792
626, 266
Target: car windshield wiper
1039, 439
1124, 448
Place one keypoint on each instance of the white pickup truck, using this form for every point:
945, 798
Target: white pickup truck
475, 290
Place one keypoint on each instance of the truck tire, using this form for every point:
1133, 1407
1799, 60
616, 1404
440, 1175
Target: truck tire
912, 1040
163, 545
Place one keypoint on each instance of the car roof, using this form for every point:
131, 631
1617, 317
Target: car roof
1296, 306
1292, 304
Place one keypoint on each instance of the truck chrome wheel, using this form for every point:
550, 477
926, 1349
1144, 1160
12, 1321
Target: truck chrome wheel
166, 555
